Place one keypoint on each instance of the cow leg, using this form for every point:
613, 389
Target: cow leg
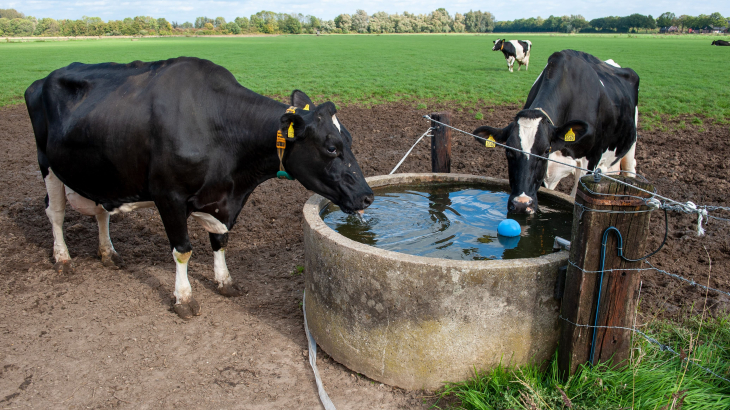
174, 217
510, 63
56, 211
527, 62
628, 162
109, 257
226, 287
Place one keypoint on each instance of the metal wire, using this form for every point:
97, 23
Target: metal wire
409, 151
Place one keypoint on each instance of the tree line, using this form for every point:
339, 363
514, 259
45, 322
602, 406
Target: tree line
14, 23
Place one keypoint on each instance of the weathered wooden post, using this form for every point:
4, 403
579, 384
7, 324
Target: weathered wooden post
441, 143
619, 288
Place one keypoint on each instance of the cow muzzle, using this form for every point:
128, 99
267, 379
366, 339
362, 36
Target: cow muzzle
522, 204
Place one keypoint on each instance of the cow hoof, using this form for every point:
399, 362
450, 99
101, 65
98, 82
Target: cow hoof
112, 260
187, 310
231, 290
64, 267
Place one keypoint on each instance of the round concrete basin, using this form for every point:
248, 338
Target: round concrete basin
417, 322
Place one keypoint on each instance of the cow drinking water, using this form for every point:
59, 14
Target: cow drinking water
514, 50
581, 111
184, 136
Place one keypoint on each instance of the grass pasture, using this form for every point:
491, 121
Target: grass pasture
679, 74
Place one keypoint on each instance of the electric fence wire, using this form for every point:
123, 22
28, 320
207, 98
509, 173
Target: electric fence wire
409, 151
662, 346
669, 204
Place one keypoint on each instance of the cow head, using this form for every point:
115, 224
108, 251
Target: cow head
498, 44
532, 132
320, 156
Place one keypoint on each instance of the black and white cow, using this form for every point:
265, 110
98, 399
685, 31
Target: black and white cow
184, 136
514, 50
720, 43
580, 110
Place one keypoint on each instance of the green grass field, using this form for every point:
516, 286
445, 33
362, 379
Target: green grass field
679, 74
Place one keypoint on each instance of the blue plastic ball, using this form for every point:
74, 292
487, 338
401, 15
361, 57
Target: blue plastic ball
509, 227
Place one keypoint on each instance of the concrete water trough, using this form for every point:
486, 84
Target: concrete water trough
417, 322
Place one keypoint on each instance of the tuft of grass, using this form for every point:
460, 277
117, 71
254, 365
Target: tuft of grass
421, 106
298, 270
653, 380
478, 116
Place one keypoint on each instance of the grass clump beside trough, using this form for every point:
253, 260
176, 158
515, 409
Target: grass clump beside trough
678, 73
655, 379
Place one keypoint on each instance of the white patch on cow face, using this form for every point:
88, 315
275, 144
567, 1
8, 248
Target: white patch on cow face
209, 222
528, 130
523, 199
222, 277
636, 121
495, 45
611, 62
604, 85
183, 291
337, 123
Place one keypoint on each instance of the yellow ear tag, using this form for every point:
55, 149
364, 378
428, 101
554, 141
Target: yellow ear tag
291, 110
569, 136
489, 143
290, 134
306, 107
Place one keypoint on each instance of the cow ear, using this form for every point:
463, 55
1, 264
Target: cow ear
301, 100
499, 134
327, 107
293, 127
569, 133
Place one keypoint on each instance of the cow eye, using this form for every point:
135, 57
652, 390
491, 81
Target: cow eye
547, 151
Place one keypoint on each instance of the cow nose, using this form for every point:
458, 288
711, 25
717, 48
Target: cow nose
367, 201
522, 200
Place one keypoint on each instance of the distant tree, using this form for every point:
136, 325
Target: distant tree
219, 22
457, 26
201, 21
163, 25
666, 19
290, 25
5, 26
479, 22
360, 21
233, 28
243, 23
343, 22
11, 14
21, 27
716, 19
47, 27
265, 22
187, 24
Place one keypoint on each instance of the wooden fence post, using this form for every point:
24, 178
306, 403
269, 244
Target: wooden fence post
441, 143
619, 288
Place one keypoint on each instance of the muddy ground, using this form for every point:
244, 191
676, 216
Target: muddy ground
103, 338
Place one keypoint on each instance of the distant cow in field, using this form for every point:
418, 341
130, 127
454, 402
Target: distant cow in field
581, 111
720, 43
514, 50
184, 136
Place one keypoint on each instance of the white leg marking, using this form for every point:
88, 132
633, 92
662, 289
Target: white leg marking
56, 211
222, 276
528, 129
209, 223
83, 205
183, 291
628, 162
105, 241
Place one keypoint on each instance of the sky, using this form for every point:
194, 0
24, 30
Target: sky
188, 10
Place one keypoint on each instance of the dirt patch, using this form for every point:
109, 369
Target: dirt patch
106, 338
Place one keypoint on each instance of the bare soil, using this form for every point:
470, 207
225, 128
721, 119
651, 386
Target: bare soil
103, 338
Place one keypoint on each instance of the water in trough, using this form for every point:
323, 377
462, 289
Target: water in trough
450, 221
